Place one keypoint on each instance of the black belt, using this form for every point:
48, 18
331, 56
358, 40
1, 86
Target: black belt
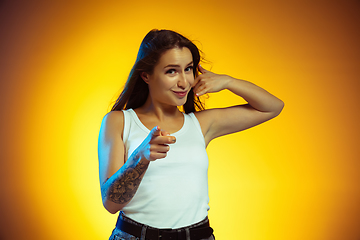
199, 232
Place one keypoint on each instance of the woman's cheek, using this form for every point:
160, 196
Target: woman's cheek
174, 81
191, 81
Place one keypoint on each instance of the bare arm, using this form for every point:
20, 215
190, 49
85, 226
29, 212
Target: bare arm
120, 179
120, 188
261, 107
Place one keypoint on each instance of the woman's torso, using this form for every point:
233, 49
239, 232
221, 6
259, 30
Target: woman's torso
174, 191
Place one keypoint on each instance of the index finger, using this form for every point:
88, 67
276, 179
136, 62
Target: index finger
164, 133
197, 80
163, 140
201, 69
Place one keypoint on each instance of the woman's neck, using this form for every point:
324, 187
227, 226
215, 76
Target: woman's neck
160, 111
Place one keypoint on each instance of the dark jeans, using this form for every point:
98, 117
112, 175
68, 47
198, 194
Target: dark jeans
120, 235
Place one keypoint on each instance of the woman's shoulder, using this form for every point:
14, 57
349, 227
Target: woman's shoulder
114, 116
113, 120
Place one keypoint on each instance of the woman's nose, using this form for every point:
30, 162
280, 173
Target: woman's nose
182, 81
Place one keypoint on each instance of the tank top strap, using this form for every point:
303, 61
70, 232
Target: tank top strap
127, 124
197, 125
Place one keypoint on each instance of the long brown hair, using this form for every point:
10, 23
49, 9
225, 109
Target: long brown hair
155, 43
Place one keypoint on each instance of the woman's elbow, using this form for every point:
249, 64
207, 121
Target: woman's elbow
280, 107
112, 207
276, 109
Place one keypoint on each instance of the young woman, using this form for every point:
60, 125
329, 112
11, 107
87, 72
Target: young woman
152, 158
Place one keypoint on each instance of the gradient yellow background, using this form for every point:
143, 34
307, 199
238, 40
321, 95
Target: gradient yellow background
293, 178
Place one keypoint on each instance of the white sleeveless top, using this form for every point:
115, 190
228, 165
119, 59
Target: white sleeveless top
174, 190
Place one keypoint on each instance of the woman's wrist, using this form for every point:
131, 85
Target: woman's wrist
228, 82
233, 83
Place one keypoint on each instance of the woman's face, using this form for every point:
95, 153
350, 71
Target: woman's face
172, 77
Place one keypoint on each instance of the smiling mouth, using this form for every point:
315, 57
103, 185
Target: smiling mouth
180, 93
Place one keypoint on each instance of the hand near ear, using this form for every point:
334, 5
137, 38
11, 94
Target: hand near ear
209, 82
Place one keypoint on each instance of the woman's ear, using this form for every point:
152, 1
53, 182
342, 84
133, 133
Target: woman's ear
145, 77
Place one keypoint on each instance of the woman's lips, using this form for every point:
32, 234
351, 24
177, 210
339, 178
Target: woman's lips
180, 93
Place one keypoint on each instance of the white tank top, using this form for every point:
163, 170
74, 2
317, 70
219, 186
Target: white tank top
174, 190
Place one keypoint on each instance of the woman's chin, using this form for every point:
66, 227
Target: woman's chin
181, 103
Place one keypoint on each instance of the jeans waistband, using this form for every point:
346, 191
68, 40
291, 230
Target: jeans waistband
200, 230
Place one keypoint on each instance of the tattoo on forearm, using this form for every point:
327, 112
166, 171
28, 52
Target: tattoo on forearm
123, 189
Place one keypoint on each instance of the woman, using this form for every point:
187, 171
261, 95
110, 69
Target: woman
157, 178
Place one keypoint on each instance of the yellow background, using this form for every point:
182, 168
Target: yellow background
293, 178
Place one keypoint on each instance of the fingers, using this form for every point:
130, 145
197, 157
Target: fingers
201, 69
156, 148
159, 136
159, 141
197, 80
156, 155
196, 84
201, 88
163, 140
159, 147
200, 82
164, 133
209, 82
156, 131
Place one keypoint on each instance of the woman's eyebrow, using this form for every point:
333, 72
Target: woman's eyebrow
175, 65
172, 65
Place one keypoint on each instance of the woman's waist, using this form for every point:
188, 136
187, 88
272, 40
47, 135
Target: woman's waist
173, 217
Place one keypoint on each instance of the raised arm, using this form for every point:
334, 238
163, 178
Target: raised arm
120, 178
261, 106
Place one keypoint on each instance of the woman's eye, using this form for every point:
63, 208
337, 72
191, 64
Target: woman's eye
171, 71
188, 69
